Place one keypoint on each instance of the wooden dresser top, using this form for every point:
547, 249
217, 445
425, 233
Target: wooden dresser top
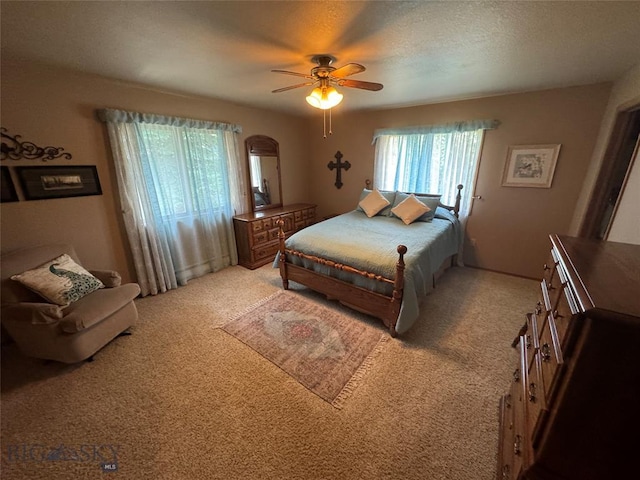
248, 217
607, 272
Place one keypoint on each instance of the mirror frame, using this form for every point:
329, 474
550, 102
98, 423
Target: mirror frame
262, 145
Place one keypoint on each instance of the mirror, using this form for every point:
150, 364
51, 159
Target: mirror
263, 157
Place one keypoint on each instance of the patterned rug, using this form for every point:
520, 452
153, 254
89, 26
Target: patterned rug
324, 348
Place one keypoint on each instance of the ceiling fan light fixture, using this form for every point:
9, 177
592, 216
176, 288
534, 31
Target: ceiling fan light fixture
324, 98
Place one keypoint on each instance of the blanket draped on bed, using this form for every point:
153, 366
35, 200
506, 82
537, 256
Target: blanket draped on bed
370, 244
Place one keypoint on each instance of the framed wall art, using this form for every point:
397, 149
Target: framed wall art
7, 189
530, 165
39, 183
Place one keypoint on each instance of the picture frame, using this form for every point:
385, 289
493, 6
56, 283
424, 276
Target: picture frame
530, 165
39, 183
7, 188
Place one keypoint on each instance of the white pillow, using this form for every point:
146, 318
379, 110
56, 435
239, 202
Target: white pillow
373, 203
60, 281
410, 209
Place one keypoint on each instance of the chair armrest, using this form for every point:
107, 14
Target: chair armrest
35, 313
108, 277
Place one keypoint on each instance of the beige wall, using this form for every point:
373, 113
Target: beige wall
510, 225
55, 107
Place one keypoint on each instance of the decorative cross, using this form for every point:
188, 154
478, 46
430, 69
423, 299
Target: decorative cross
339, 166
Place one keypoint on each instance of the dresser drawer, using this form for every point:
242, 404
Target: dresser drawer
531, 338
550, 357
563, 314
265, 251
288, 220
260, 237
536, 402
545, 296
559, 286
257, 226
520, 444
505, 454
268, 223
273, 234
550, 275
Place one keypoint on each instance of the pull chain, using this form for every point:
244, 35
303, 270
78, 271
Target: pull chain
324, 123
330, 132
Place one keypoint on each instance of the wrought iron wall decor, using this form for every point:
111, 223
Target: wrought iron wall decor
14, 149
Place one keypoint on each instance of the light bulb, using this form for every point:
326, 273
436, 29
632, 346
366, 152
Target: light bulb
324, 98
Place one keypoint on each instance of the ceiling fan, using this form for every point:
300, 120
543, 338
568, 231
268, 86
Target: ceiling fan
325, 78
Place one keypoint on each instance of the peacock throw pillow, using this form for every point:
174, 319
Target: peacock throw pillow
60, 281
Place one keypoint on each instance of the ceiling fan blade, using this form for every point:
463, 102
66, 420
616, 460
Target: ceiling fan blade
292, 87
348, 69
293, 73
359, 84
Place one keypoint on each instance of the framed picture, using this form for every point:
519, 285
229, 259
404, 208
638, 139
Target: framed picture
7, 189
39, 183
530, 165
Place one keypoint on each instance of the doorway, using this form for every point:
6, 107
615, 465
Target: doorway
614, 168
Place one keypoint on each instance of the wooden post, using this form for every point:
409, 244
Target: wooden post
282, 260
398, 289
458, 198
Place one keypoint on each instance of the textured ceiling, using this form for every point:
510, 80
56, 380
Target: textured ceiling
423, 52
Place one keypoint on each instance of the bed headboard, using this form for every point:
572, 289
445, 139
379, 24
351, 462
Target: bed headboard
455, 209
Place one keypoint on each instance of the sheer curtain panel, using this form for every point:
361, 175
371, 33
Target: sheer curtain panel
431, 159
180, 183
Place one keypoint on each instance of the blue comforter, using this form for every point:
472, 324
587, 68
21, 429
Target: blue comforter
371, 244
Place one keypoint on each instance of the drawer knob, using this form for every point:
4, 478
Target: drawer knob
538, 308
517, 445
556, 314
507, 401
516, 375
532, 392
546, 352
506, 471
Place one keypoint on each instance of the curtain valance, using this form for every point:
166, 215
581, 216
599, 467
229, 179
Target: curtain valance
111, 115
465, 126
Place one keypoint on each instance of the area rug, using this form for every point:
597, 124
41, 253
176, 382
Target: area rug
326, 349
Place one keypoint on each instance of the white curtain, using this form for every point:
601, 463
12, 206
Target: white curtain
431, 159
180, 183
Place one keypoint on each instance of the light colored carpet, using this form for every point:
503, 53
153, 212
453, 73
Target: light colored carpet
180, 399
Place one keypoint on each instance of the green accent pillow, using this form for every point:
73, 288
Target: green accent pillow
60, 281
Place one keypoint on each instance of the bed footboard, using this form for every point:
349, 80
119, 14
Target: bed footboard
384, 307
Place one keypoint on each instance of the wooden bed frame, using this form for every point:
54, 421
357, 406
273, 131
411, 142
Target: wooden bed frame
384, 307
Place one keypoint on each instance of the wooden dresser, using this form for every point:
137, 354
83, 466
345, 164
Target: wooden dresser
257, 233
573, 408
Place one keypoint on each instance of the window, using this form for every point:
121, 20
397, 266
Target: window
180, 182
432, 159
186, 170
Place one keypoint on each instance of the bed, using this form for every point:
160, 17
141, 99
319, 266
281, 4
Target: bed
377, 265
